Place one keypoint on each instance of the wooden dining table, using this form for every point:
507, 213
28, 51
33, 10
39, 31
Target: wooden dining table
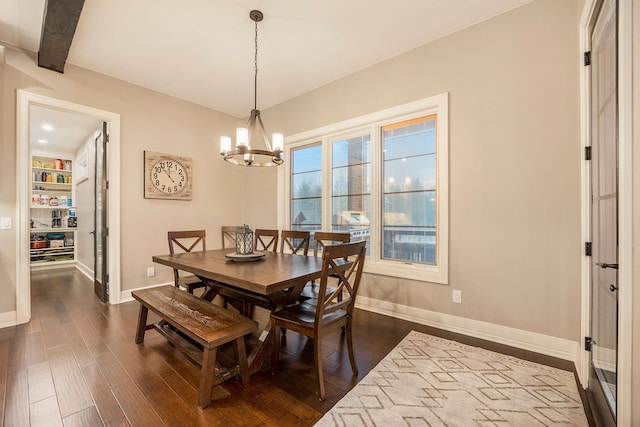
271, 282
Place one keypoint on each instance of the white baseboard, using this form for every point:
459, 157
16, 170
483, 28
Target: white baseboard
85, 270
605, 358
531, 341
125, 296
9, 318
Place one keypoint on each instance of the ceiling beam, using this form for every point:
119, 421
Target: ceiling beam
58, 27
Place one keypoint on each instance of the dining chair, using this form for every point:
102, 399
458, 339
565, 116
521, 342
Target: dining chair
187, 241
315, 319
265, 240
228, 233
321, 239
294, 241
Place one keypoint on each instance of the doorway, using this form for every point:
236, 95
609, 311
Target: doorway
26, 101
603, 338
607, 208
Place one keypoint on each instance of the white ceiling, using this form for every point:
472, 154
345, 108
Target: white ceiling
63, 132
202, 50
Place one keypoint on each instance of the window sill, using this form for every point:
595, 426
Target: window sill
419, 272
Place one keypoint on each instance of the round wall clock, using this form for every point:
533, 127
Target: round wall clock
167, 176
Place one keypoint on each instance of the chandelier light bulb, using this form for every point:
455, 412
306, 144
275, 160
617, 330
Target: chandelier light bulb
242, 137
277, 140
225, 144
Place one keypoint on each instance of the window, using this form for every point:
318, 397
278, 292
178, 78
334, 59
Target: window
351, 186
384, 179
409, 190
306, 188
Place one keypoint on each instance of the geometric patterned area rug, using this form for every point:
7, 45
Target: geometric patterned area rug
430, 381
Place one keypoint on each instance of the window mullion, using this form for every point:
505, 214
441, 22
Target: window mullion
326, 184
376, 207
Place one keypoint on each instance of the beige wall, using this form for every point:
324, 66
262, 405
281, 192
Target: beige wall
149, 121
514, 172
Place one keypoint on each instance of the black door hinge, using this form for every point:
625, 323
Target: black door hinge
588, 343
587, 153
587, 58
587, 248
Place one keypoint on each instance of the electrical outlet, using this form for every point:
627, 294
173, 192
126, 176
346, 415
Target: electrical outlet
457, 296
151, 271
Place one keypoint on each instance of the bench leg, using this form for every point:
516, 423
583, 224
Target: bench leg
207, 377
142, 324
241, 356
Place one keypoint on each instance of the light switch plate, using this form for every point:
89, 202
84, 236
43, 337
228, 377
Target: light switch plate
5, 223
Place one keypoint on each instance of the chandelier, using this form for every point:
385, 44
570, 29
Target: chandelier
244, 154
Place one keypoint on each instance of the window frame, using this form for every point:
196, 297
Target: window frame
373, 124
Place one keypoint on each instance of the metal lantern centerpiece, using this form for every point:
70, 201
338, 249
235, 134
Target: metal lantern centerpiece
244, 241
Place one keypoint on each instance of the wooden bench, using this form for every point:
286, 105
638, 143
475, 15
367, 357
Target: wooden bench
205, 326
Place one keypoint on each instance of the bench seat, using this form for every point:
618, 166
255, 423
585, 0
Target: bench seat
205, 324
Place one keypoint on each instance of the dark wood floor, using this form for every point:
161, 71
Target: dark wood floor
76, 364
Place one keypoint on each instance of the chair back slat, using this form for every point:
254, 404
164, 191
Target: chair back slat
295, 241
324, 238
187, 241
344, 261
228, 234
265, 240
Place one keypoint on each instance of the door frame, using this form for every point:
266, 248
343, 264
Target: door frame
625, 201
25, 100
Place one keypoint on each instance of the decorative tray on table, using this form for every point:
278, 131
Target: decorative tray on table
234, 256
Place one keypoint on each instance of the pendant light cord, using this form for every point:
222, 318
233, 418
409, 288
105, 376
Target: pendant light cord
255, 78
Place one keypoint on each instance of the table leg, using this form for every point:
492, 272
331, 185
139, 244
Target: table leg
260, 352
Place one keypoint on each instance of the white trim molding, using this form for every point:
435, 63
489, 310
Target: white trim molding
87, 271
23, 179
625, 201
125, 296
518, 338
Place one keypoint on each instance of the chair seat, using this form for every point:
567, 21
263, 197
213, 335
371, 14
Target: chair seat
310, 291
304, 314
190, 283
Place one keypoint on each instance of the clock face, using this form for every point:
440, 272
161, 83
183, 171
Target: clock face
167, 176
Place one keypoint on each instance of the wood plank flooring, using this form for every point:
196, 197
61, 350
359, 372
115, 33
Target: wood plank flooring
76, 364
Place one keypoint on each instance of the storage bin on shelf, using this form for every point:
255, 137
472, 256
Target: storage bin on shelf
56, 240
